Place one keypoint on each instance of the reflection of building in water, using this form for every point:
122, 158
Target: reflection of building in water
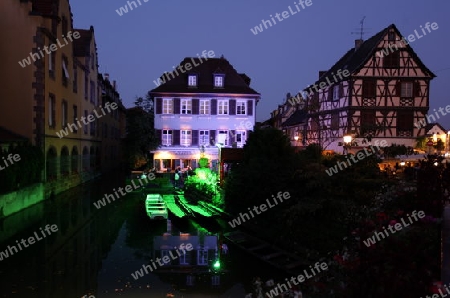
198, 268
53, 266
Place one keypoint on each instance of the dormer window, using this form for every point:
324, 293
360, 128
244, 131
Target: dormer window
192, 80
218, 80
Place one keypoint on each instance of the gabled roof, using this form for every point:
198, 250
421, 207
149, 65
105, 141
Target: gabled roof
354, 60
299, 117
233, 82
429, 126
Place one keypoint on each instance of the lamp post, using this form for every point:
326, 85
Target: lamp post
347, 143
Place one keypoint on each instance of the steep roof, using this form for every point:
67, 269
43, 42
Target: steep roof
233, 81
429, 126
298, 117
82, 45
354, 60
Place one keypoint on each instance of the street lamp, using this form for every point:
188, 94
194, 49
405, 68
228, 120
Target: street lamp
347, 143
296, 136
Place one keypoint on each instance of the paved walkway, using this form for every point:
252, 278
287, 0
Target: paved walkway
445, 236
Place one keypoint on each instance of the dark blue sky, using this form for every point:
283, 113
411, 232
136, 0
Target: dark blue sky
137, 47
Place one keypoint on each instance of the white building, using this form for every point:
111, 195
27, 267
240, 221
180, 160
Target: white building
207, 107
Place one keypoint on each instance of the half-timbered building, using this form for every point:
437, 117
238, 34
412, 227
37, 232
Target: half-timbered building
384, 95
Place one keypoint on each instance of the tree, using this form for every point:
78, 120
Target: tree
439, 145
266, 169
141, 136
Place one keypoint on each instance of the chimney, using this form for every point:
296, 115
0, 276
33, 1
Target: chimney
107, 76
321, 73
358, 43
114, 85
288, 96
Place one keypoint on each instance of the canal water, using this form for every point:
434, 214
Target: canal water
94, 251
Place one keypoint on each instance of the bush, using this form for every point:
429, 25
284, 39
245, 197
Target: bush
201, 187
25, 172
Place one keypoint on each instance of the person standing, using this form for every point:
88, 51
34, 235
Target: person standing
177, 178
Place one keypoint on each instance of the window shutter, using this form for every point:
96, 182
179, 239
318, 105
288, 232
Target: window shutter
232, 137
330, 93
341, 90
212, 137
250, 107
213, 106
158, 108
159, 135
416, 87
176, 137
398, 89
232, 107
176, 106
194, 137
195, 106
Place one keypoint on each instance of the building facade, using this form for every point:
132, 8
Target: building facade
378, 90
197, 112
51, 83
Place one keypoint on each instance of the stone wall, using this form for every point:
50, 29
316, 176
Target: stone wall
17, 200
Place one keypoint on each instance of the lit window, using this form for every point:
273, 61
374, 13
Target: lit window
407, 89
186, 106
240, 108
240, 138
167, 106
204, 107
166, 137
336, 92
192, 80
218, 81
203, 137
222, 107
222, 138
186, 138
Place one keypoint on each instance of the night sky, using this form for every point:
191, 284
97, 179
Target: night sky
137, 47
